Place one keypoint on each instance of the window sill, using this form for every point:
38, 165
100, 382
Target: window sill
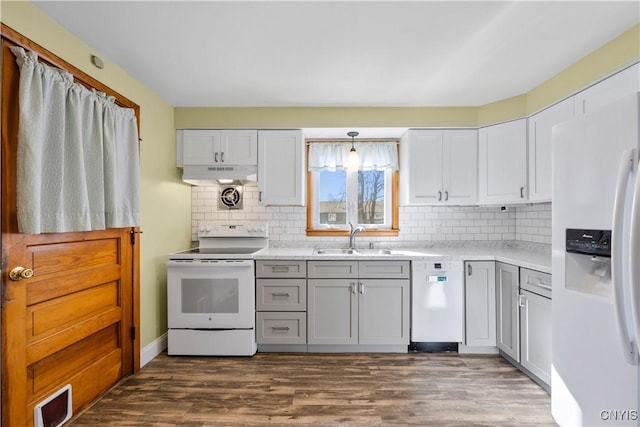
346, 233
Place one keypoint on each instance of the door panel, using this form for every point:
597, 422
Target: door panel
71, 322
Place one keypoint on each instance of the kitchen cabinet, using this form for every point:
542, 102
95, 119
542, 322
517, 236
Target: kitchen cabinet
535, 323
502, 163
365, 304
508, 310
281, 167
614, 87
281, 304
439, 167
208, 147
540, 127
480, 303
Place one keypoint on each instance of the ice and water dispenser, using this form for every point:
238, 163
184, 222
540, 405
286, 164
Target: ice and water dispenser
588, 261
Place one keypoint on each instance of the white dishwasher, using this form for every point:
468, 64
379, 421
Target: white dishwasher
437, 304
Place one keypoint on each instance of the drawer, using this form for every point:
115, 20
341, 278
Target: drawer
281, 328
383, 269
536, 282
333, 269
281, 268
281, 294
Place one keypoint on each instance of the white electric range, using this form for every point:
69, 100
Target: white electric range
211, 291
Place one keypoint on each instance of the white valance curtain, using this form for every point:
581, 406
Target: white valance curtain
373, 155
77, 160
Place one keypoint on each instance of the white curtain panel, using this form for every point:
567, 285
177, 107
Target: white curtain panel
373, 155
77, 160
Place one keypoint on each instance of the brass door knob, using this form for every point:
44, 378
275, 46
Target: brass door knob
20, 273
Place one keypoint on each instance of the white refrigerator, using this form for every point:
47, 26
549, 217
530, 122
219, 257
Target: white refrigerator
596, 267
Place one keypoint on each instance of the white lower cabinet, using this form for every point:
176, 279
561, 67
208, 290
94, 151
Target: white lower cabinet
535, 323
507, 310
360, 313
480, 303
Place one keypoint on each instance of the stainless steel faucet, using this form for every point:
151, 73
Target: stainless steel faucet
352, 234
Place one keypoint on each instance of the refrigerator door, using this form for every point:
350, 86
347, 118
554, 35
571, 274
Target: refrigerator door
592, 382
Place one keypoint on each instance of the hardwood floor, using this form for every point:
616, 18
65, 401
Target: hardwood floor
428, 389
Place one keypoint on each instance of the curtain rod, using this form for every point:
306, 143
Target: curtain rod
341, 140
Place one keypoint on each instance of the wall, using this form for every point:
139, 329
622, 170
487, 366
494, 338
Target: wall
165, 200
419, 225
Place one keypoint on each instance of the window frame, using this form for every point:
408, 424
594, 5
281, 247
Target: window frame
312, 230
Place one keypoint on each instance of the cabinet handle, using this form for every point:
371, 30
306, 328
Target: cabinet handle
259, 196
469, 270
280, 328
446, 196
222, 157
280, 269
361, 287
280, 295
353, 287
522, 300
215, 157
522, 192
439, 196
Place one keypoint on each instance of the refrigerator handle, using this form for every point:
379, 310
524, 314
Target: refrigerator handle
616, 254
634, 257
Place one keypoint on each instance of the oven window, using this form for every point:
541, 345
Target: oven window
210, 296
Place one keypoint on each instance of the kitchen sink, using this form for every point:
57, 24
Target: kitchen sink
334, 252
373, 251
346, 251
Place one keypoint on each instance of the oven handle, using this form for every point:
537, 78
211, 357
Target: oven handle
214, 263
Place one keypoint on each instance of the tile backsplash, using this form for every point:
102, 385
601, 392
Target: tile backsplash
418, 224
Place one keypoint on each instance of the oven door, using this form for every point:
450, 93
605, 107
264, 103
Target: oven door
210, 294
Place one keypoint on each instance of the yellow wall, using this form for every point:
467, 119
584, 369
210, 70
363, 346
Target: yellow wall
165, 200
620, 52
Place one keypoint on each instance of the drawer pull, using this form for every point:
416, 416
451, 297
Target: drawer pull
280, 328
280, 295
280, 268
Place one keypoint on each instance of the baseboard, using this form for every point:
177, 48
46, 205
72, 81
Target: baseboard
153, 349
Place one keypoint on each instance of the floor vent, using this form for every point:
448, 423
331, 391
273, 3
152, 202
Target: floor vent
55, 410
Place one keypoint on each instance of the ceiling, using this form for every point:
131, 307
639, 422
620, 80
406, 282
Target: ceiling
342, 53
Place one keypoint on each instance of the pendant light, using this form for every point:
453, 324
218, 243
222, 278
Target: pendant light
353, 162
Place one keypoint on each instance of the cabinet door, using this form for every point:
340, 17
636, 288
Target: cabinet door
480, 303
508, 313
199, 147
615, 87
332, 311
502, 163
239, 147
281, 172
383, 312
540, 133
460, 175
536, 335
421, 167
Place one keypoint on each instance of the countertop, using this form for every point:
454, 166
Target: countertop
532, 256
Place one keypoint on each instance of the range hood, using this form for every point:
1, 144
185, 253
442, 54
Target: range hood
214, 175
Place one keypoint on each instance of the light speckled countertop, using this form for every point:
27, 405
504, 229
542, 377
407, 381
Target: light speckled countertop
533, 256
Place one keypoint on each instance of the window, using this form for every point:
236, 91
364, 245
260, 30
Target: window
365, 197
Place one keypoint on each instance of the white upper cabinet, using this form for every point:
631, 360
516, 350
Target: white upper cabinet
281, 171
540, 126
460, 177
438, 167
217, 147
502, 163
239, 147
617, 86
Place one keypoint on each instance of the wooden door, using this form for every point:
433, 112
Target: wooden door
72, 322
